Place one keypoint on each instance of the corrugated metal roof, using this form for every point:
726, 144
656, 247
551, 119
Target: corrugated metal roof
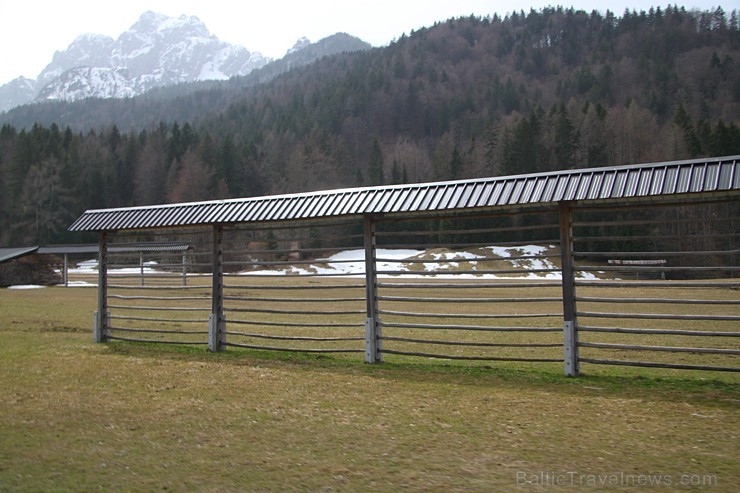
7, 254
173, 246
597, 184
169, 246
68, 249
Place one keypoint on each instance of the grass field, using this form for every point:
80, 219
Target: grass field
78, 416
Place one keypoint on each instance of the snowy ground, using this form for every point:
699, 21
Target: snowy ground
351, 263
90, 268
443, 263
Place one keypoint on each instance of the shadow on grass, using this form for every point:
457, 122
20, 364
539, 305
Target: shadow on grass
648, 384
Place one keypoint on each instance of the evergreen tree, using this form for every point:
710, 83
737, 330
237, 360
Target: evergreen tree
683, 121
375, 165
490, 143
396, 173
566, 139
226, 166
725, 140
456, 164
523, 148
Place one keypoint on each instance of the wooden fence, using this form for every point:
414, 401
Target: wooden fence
653, 287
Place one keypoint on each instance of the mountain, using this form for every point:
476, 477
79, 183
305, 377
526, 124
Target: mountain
16, 93
115, 104
156, 51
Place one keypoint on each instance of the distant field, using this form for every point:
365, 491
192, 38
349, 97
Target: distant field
77, 416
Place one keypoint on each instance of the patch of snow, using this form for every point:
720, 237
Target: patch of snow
91, 267
26, 286
451, 256
441, 265
86, 267
211, 71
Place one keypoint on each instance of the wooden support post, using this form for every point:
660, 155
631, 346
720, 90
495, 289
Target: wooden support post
184, 268
373, 340
100, 328
216, 320
570, 324
65, 271
141, 266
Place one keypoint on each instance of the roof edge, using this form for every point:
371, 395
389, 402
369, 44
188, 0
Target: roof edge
421, 184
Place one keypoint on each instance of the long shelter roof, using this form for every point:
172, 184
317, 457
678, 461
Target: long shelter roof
658, 181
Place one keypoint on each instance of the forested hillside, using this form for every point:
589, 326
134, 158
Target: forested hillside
543, 90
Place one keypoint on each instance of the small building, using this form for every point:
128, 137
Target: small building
49, 265
21, 266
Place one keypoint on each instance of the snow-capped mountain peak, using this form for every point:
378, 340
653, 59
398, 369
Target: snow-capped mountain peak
299, 45
156, 51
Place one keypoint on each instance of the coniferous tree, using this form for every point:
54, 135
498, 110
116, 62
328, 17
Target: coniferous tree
375, 165
523, 149
226, 166
566, 139
683, 120
396, 173
455, 164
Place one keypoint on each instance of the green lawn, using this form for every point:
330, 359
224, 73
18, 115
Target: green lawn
78, 416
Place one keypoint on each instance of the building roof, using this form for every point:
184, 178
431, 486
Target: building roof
7, 254
68, 249
162, 246
172, 246
617, 183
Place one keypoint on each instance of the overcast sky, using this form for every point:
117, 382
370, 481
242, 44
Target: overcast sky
31, 31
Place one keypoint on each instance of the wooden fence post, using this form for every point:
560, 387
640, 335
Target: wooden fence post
65, 271
141, 265
216, 320
100, 324
570, 324
373, 342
